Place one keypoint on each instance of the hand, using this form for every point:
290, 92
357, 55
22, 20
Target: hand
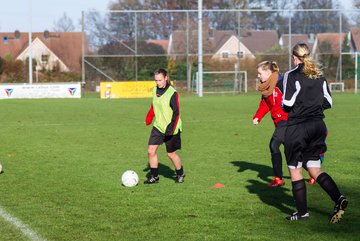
150, 116
255, 121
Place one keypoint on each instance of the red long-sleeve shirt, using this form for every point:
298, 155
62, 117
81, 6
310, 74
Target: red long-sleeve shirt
272, 103
174, 105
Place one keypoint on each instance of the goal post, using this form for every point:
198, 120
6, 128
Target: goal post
220, 82
357, 72
337, 87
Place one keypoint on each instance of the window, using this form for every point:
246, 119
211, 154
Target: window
44, 58
225, 54
5, 39
240, 54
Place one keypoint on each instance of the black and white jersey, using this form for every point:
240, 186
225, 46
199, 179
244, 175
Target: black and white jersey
304, 98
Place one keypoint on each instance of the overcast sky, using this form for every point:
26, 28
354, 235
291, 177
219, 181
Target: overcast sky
14, 14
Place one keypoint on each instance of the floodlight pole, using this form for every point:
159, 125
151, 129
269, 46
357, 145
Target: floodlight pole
82, 48
237, 68
200, 46
30, 50
340, 44
136, 48
356, 72
290, 43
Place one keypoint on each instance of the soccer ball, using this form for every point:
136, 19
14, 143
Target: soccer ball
129, 178
1, 169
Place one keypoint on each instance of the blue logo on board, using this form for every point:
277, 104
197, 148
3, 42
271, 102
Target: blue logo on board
9, 92
72, 91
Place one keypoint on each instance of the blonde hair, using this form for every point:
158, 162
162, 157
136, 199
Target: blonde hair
311, 70
267, 65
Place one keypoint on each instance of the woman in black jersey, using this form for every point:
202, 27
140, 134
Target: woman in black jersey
306, 95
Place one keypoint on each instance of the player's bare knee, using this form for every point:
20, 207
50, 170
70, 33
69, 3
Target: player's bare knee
171, 155
151, 152
314, 172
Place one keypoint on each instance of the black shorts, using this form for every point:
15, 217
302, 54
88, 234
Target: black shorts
279, 133
172, 143
304, 142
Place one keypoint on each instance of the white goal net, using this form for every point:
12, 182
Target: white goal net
337, 87
217, 82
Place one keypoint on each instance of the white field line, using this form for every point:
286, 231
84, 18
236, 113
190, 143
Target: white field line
20, 225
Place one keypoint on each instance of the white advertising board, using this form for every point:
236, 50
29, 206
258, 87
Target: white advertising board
38, 91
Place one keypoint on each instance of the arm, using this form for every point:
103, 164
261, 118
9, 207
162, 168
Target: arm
327, 103
279, 97
150, 115
261, 112
291, 91
280, 83
175, 106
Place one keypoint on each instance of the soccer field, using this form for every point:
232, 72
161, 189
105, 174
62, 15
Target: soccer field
63, 159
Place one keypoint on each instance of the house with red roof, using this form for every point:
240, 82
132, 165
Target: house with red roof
161, 42
355, 39
49, 49
328, 43
291, 39
225, 44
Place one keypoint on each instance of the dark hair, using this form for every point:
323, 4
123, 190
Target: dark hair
164, 73
161, 71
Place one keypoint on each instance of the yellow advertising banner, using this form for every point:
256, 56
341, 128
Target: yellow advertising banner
132, 89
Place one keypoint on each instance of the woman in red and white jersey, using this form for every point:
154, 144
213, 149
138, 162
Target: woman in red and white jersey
271, 97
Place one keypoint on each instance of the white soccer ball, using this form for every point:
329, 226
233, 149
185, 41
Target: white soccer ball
1, 169
129, 178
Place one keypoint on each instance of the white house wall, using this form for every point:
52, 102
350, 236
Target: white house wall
232, 47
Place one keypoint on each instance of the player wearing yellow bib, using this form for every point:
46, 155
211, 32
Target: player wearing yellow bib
167, 127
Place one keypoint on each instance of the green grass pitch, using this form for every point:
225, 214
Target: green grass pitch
63, 160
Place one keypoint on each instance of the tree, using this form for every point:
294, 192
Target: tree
64, 24
357, 5
348, 65
96, 28
122, 68
124, 32
2, 63
327, 59
152, 25
268, 20
14, 71
317, 21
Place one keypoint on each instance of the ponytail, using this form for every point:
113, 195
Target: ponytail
310, 70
